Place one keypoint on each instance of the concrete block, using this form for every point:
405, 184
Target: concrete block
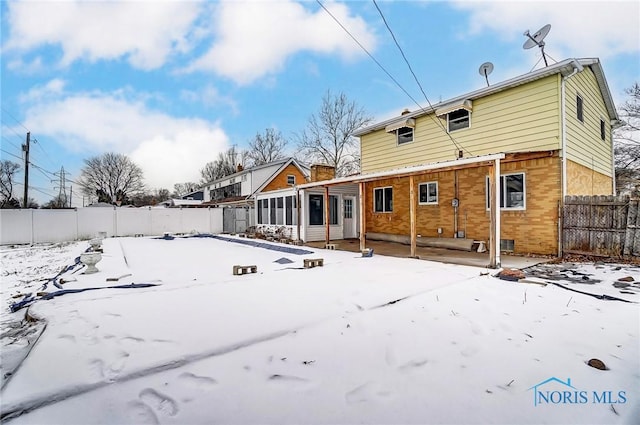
310, 263
240, 270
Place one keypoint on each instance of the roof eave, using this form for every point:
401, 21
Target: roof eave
565, 66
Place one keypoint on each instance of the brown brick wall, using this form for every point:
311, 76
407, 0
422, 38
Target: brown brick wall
535, 230
585, 181
280, 181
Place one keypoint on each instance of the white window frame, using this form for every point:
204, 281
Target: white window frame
292, 178
503, 193
397, 132
382, 188
603, 129
461, 128
437, 193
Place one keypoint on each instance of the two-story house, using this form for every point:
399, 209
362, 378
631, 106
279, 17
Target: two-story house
492, 165
240, 187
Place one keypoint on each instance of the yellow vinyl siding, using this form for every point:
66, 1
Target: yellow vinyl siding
584, 145
521, 119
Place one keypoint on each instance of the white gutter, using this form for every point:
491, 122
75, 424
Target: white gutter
577, 68
403, 171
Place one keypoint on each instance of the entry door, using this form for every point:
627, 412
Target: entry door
349, 217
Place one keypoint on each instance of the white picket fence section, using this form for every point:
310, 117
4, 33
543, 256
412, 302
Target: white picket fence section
45, 225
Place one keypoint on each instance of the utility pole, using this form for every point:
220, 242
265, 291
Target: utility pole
25, 149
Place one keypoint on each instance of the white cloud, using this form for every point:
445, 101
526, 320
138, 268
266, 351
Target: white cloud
579, 29
51, 88
168, 149
210, 96
255, 38
145, 32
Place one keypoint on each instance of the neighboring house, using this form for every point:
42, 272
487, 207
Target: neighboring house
238, 189
180, 203
517, 147
197, 195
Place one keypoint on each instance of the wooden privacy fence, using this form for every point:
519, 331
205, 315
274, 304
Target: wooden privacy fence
601, 225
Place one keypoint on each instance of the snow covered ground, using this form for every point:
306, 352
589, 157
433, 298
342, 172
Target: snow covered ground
359, 340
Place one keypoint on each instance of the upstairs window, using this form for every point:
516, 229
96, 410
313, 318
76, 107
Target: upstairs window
383, 199
428, 193
603, 131
402, 129
579, 109
404, 135
458, 120
291, 180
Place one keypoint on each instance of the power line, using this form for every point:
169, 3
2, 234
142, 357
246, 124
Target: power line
37, 142
20, 136
437, 121
10, 142
370, 55
15, 119
43, 169
9, 153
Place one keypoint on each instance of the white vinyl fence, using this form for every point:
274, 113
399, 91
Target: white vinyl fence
45, 225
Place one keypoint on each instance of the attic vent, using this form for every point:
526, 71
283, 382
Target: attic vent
408, 122
456, 106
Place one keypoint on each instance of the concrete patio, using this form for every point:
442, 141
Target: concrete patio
450, 256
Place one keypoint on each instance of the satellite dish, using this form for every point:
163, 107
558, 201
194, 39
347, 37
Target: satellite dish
486, 69
537, 39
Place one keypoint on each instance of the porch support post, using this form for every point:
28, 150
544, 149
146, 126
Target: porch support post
298, 214
361, 212
412, 215
494, 207
498, 179
326, 214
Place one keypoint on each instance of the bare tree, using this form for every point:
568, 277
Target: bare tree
627, 144
181, 189
8, 170
60, 201
226, 164
111, 177
152, 197
329, 138
266, 147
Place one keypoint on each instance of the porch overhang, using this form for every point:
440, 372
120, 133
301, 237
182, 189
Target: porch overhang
408, 171
492, 161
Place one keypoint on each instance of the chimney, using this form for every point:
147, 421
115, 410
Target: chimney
321, 172
239, 168
405, 112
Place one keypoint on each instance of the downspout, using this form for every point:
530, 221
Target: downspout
298, 212
576, 68
613, 125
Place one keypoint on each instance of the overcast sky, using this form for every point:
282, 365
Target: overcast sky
171, 84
